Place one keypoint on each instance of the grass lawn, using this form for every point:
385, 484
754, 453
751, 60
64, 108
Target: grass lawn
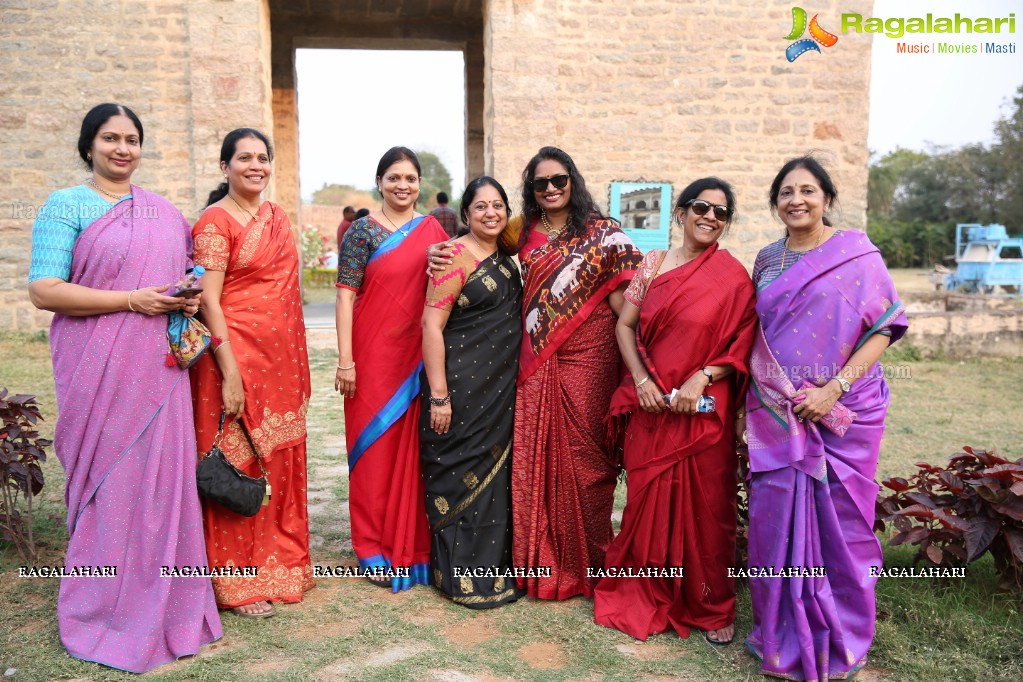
346, 629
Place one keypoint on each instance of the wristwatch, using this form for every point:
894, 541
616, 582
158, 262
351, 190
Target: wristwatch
710, 375
843, 384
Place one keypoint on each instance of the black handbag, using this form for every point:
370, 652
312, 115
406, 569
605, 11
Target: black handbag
220, 482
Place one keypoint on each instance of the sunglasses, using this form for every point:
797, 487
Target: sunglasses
559, 182
700, 208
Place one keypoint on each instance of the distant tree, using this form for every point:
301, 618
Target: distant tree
334, 195
1008, 153
436, 178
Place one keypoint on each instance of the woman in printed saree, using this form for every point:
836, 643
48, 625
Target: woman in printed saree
815, 415
685, 331
471, 337
102, 254
576, 265
258, 373
381, 279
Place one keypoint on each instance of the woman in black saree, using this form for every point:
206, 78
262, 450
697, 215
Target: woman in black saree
472, 331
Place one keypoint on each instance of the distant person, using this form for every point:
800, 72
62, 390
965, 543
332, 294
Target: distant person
447, 217
348, 217
330, 259
361, 213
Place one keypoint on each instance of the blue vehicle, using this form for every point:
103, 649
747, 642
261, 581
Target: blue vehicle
986, 259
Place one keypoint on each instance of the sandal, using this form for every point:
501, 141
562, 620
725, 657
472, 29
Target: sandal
258, 614
718, 642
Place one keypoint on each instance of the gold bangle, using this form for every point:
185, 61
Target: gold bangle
129, 300
345, 369
221, 345
640, 383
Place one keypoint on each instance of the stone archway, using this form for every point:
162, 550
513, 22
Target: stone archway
361, 24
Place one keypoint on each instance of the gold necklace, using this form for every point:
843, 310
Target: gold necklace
552, 234
785, 248
103, 191
492, 256
241, 207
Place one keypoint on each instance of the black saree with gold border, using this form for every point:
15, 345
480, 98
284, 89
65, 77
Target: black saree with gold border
467, 470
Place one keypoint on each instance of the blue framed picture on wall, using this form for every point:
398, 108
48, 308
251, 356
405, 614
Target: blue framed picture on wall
644, 210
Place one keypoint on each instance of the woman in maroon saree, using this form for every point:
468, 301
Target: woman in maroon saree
576, 265
687, 322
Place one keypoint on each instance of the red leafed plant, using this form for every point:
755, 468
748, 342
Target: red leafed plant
971, 506
21, 451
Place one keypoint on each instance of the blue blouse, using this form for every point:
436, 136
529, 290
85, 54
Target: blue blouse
61, 219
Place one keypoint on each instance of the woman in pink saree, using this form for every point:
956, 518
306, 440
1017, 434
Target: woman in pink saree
103, 253
815, 416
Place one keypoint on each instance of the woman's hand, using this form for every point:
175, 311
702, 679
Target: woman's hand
440, 418
438, 256
191, 306
151, 301
689, 393
650, 397
233, 395
344, 382
818, 401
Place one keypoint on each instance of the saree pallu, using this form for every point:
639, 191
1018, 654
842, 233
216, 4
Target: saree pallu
385, 498
262, 306
563, 473
682, 469
467, 471
125, 439
813, 492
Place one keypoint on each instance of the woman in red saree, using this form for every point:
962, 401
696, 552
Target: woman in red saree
685, 331
381, 294
575, 264
258, 373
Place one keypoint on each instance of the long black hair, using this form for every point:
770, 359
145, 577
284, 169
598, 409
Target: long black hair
505, 242
94, 120
581, 206
694, 189
812, 166
227, 150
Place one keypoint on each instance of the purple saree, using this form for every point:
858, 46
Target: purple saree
126, 440
812, 495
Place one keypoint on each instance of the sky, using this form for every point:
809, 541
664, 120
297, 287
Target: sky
918, 102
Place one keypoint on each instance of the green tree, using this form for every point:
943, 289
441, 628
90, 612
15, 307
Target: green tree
436, 178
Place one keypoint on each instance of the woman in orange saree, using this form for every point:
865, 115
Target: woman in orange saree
259, 373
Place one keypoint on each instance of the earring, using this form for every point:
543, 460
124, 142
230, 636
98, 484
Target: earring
88, 155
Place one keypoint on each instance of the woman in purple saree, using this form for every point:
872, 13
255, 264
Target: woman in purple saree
102, 253
815, 416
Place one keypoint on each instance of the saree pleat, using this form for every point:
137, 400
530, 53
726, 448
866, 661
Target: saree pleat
125, 439
468, 470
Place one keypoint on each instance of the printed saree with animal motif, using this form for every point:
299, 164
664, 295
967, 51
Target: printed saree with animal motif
563, 472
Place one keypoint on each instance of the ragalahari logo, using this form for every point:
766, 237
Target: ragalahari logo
817, 35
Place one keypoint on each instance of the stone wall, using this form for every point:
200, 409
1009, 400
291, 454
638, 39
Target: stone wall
664, 90
670, 91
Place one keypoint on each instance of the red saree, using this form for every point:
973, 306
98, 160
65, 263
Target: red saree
263, 307
563, 476
386, 496
681, 469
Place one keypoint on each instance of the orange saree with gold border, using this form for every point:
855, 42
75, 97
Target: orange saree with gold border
262, 304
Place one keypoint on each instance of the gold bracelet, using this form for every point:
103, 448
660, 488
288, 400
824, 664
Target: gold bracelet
640, 383
345, 369
221, 345
129, 300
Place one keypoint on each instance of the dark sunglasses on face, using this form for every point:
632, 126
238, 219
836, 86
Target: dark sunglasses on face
700, 208
559, 182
